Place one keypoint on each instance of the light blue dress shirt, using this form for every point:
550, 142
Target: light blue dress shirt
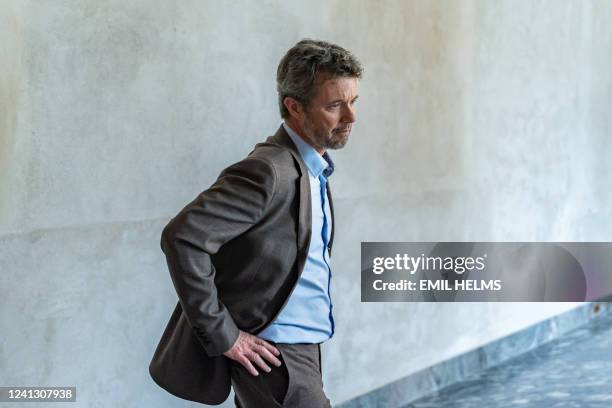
307, 316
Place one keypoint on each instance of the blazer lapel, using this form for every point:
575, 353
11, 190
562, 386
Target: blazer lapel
305, 211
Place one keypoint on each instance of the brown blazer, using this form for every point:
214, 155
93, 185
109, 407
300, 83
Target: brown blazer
235, 253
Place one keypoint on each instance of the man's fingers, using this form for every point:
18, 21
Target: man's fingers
255, 358
269, 347
265, 353
249, 367
254, 351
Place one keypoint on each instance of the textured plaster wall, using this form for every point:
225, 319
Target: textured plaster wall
478, 120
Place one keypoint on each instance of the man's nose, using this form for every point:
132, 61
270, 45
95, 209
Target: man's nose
349, 114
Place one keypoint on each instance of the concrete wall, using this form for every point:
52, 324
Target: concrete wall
478, 120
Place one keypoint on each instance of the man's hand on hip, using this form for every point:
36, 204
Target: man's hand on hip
250, 349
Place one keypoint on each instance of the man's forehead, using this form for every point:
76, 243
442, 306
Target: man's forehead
337, 88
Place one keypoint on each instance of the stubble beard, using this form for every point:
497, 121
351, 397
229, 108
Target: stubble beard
325, 140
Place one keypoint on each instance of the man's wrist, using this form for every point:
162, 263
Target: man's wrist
223, 341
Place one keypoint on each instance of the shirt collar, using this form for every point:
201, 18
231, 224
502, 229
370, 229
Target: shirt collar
315, 163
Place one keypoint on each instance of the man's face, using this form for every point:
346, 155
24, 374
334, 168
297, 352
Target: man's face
327, 121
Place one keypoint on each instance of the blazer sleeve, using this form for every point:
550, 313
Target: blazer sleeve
236, 201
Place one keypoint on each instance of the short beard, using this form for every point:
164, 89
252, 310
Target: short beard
337, 141
323, 142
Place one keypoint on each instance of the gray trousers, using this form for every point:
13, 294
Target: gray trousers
296, 383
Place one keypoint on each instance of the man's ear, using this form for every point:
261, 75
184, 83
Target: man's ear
295, 108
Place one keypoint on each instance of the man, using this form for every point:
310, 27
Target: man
249, 257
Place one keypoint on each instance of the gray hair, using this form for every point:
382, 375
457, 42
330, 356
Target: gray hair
298, 70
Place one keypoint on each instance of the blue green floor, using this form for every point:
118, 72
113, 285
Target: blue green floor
574, 370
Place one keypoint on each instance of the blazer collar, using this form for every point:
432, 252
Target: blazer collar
283, 139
